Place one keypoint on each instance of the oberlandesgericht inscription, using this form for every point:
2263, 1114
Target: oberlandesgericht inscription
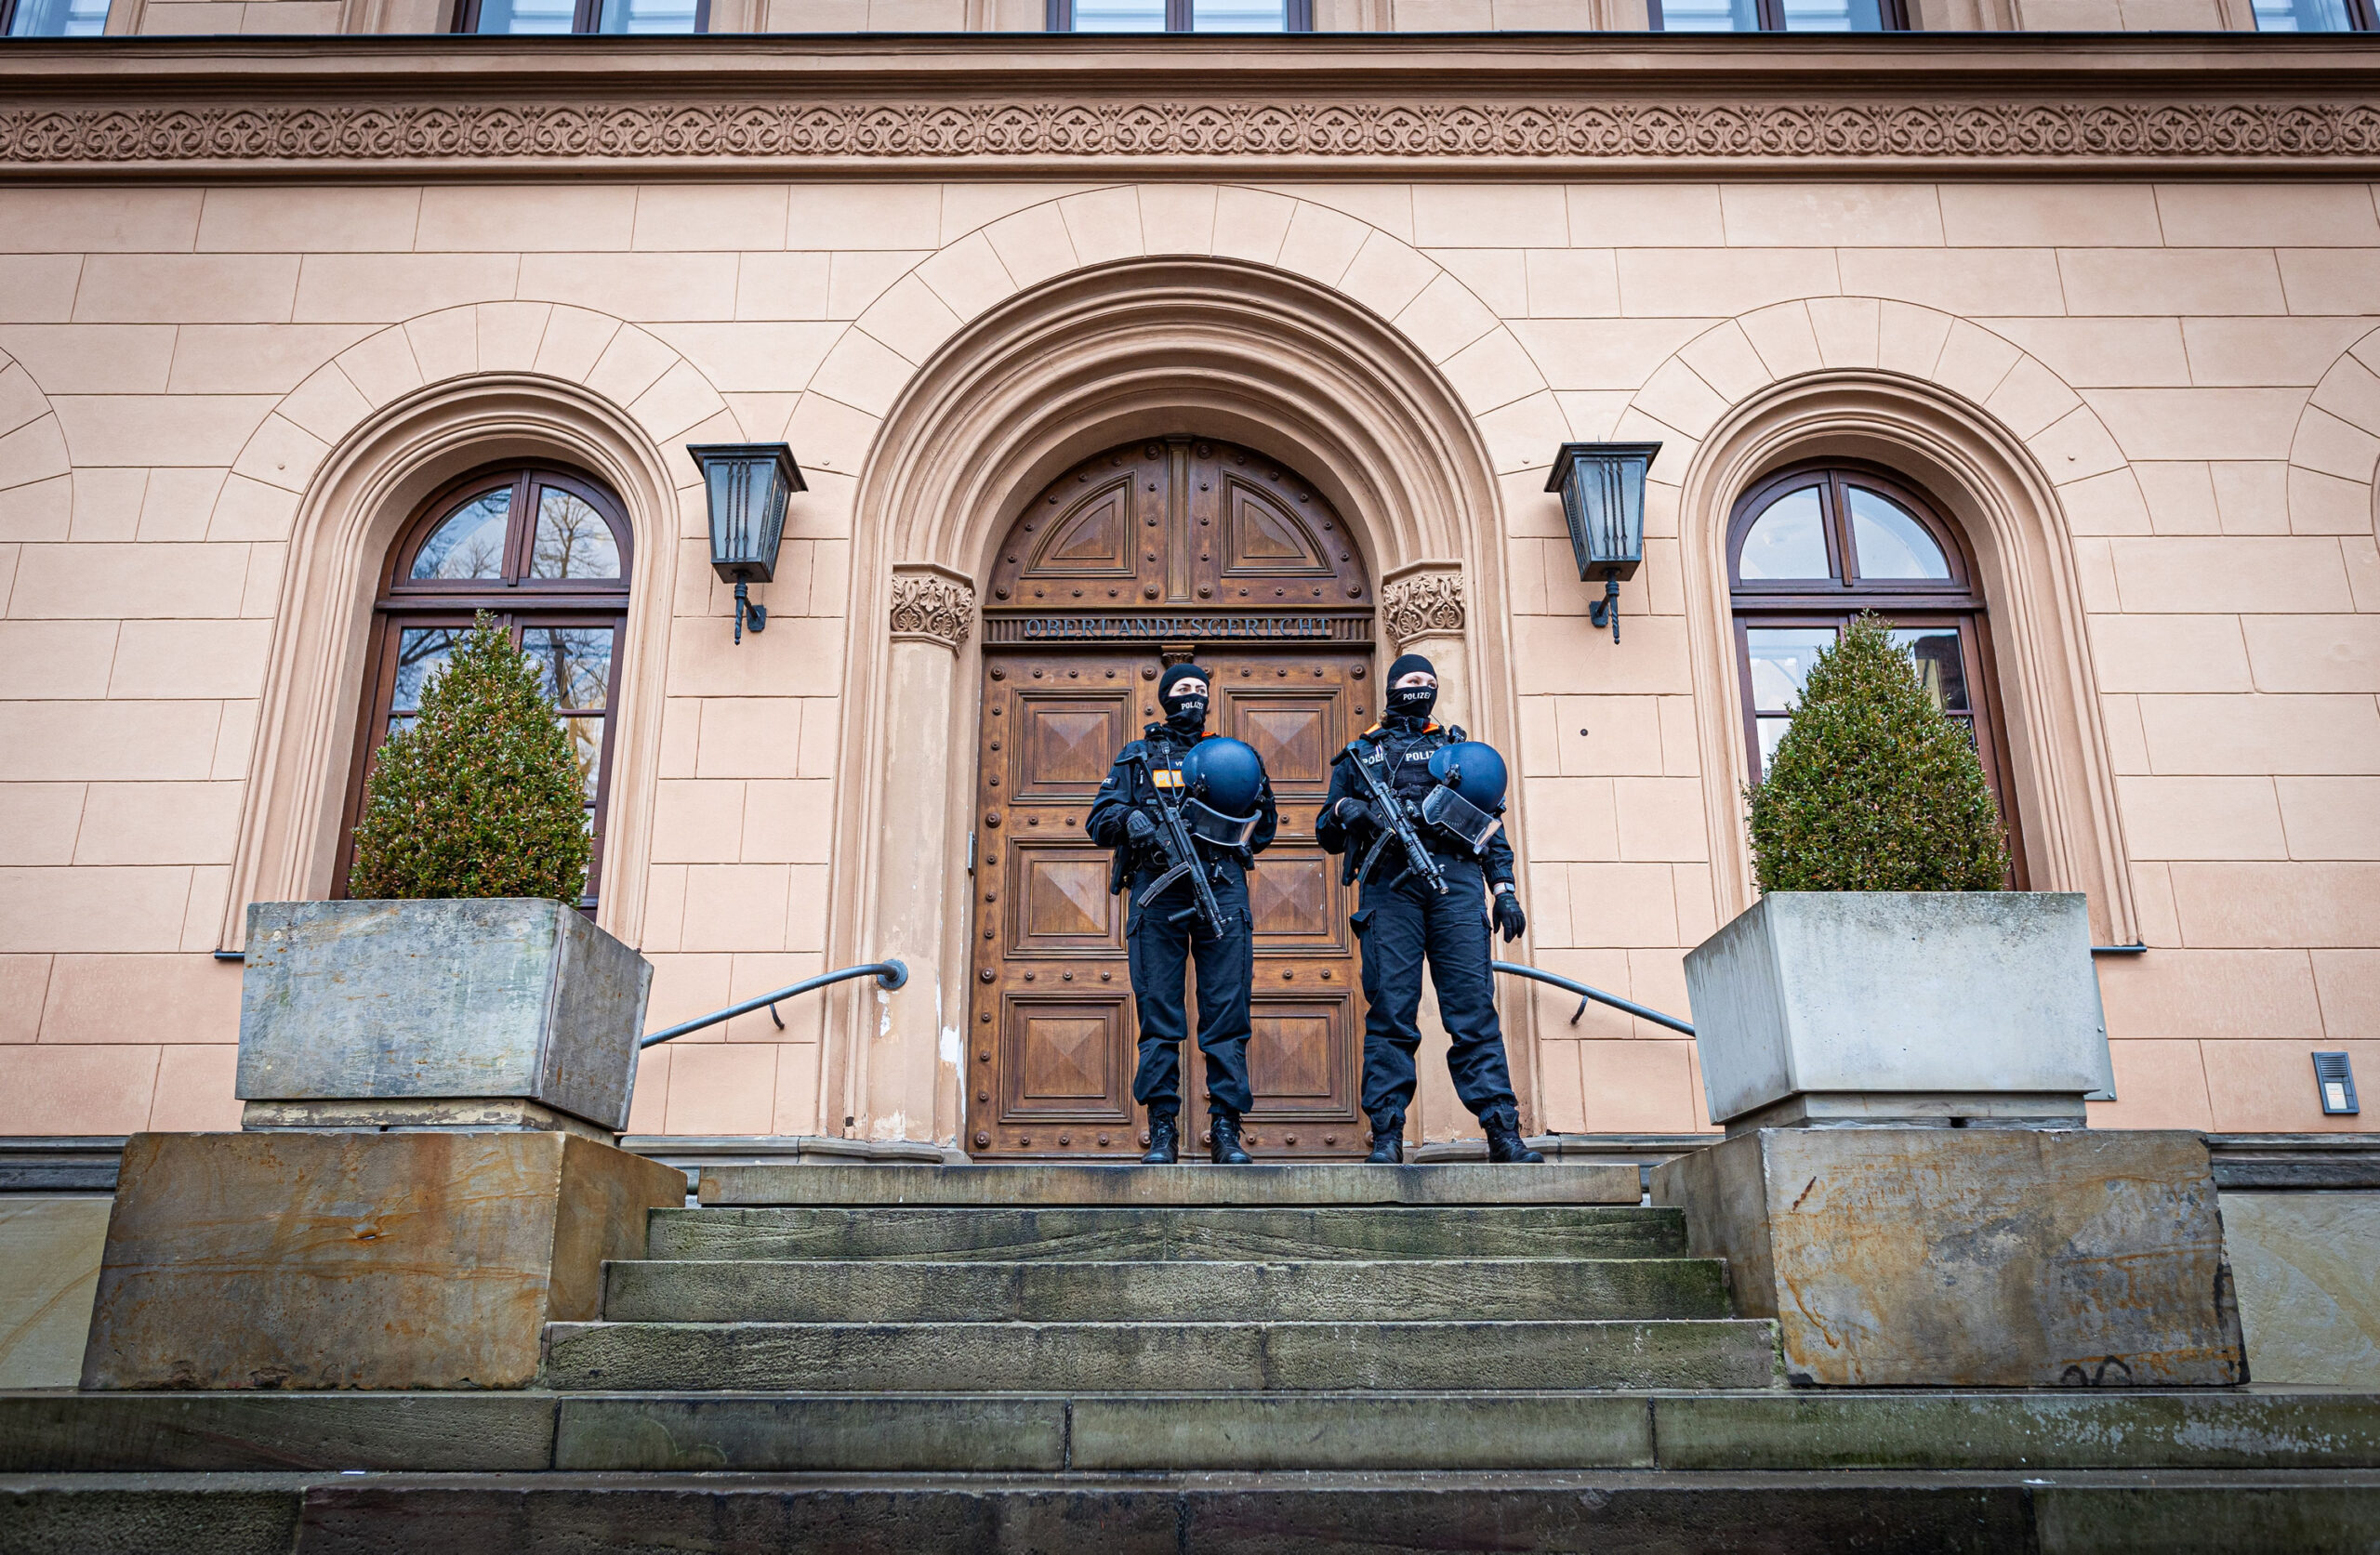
1035, 628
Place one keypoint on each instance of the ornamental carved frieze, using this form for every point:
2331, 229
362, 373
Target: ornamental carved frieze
1066, 130
933, 606
1421, 604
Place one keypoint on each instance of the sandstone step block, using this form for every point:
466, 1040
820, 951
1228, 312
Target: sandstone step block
1125, 1357
1304, 1291
1107, 1235
1301, 1185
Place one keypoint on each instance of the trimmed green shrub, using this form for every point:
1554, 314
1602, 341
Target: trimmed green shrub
1872, 788
481, 796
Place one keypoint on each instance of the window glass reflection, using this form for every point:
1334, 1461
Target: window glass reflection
647, 16
1239, 16
1889, 540
574, 663
1941, 668
587, 749
59, 18
527, 17
422, 652
2303, 15
1787, 540
572, 540
1119, 16
470, 544
1709, 16
1833, 16
1781, 657
1772, 734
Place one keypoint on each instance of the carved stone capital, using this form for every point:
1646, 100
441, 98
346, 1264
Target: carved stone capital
931, 604
1422, 603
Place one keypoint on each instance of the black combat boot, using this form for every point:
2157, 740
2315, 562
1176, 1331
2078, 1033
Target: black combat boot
1165, 1141
1504, 1142
1228, 1152
1388, 1141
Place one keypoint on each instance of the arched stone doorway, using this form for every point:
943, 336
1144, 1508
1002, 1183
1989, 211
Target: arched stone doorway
1157, 551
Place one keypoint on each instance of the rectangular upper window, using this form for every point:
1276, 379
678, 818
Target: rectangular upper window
1181, 16
1777, 16
530, 18
2314, 16
54, 19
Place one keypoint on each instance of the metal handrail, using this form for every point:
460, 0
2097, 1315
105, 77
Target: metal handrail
887, 975
1597, 995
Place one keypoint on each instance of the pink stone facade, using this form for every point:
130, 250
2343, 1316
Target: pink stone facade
2178, 377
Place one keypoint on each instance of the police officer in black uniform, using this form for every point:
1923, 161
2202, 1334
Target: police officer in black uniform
1402, 921
1160, 942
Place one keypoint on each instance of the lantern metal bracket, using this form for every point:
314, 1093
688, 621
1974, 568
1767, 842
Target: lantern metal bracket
1606, 610
747, 612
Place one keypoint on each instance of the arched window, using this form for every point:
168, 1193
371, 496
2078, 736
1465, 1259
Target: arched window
547, 552
1813, 546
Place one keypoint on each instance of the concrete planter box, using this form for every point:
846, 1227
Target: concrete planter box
1818, 1006
487, 1012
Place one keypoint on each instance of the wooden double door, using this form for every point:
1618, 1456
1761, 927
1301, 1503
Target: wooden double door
1052, 1025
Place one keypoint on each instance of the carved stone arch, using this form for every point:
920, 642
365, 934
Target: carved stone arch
1095, 358
2336, 453
348, 454
37, 473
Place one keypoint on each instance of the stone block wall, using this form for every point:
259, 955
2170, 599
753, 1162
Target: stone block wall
2193, 368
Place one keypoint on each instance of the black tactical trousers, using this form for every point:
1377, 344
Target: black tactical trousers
1161, 948
1399, 926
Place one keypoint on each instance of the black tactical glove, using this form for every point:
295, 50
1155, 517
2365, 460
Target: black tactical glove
1508, 916
1352, 811
1138, 826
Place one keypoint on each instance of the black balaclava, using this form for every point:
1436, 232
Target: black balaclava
1185, 705
1410, 703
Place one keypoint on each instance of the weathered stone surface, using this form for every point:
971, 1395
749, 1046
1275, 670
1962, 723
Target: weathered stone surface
1971, 1257
2079, 1429
150, 1516
2308, 1267
1276, 1186
1201, 1357
507, 996
2303, 1517
1432, 1431
1862, 993
101, 1432
891, 1435
1111, 1236
1341, 1289
358, 1260
50, 1269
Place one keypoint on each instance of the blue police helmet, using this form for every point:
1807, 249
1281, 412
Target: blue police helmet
1473, 771
1226, 773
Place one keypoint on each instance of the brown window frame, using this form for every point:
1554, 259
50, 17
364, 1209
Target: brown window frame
1771, 16
522, 604
584, 17
1833, 602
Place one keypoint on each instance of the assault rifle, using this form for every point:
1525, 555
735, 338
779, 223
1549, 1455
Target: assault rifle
1181, 854
1394, 826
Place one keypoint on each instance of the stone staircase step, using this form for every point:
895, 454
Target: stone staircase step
1719, 1432
1613, 1512
1319, 1184
1160, 1357
1311, 1290
1107, 1235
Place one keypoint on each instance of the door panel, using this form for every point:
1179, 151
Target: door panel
1152, 527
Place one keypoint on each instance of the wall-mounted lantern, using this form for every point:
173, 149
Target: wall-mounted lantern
749, 484
1603, 500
